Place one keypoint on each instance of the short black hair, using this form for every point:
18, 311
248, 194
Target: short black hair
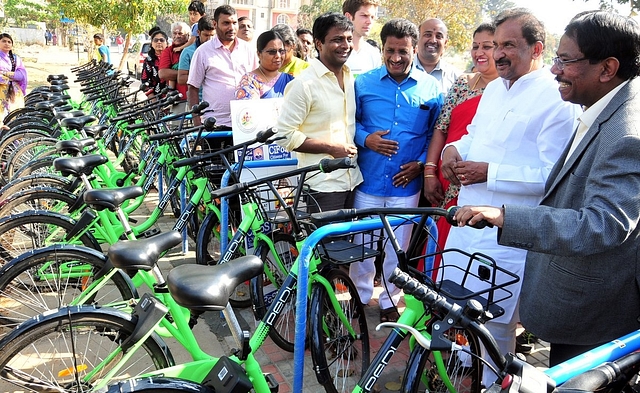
225, 9
399, 28
265, 38
197, 6
302, 31
602, 34
488, 27
328, 20
206, 23
532, 27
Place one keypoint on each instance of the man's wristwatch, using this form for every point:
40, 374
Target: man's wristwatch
420, 164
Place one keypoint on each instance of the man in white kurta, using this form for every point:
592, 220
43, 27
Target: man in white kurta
520, 129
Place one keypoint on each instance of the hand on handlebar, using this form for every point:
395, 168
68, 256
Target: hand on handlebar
471, 215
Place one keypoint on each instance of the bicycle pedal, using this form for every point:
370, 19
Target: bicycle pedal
149, 233
274, 386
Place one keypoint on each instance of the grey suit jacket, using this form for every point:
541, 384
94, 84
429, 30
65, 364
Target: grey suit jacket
581, 283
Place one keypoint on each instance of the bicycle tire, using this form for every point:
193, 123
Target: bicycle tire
39, 165
158, 384
51, 277
282, 332
464, 370
28, 151
38, 198
57, 350
45, 180
9, 144
208, 253
339, 360
33, 229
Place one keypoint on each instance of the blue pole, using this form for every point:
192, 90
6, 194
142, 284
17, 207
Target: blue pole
303, 279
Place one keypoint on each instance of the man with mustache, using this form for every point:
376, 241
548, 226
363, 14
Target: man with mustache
516, 136
434, 37
169, 59
581, 286
218, 65
396, 108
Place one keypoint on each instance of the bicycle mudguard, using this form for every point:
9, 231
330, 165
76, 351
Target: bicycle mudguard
157, 383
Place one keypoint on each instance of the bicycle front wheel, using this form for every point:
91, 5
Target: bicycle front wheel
463, 369
60, 352
340, 357
51, 278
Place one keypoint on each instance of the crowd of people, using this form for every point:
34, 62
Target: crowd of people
547, 154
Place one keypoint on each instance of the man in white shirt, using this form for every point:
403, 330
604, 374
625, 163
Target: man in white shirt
434, 37
362, 13
580, 286
518, 133
218, 65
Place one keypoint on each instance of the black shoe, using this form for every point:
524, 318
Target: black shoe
525, 342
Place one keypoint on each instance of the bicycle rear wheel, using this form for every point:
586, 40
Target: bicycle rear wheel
59, 351
464, 370
51, 278
339, 358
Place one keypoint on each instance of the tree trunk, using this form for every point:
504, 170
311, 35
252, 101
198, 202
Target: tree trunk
125, 51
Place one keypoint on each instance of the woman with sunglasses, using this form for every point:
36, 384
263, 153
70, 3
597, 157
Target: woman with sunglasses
265, 81
150, 66
13, 77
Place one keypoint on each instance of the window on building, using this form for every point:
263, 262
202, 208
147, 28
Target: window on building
283, 18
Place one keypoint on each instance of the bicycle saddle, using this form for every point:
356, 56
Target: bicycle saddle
56, 77
74, 146
46, 105
77, 166
58, 88
110, 198
95, 130
76, 123
142, 254
207, 288
65, 115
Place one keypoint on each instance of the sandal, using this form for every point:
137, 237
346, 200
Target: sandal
389, 315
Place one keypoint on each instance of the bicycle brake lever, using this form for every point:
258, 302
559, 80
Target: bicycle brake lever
420, 338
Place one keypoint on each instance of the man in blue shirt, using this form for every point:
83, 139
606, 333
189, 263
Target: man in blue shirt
396, 108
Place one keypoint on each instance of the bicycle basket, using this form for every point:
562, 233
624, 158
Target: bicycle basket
481, 279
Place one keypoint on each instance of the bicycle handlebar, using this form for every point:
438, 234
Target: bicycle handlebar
261, 137
350, 214
326, 165
207, 125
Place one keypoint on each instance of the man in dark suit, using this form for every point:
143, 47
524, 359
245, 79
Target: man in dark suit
581, 284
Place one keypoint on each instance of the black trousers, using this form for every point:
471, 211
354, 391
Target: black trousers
562, 352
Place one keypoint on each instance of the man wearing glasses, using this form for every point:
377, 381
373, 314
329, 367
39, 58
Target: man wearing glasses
169, 59
516, 136
218, 65
580, 287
